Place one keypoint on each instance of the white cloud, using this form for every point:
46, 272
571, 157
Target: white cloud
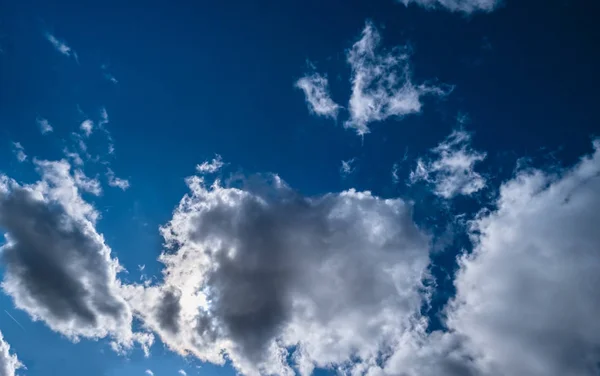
44, 125
116, 182
87, 184
149, 372
103, 117
464, 6
451, 170
182, 372
57, 267
107, 75
382, 85
60, 45
87, 126
316, 91
19, 152
74, 157
251, 272
527, 298
347, 167
9, 363
210, 167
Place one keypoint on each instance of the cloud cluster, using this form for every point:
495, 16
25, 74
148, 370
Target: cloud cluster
316, 91
251, 272
382, 85
451, 169
57, 268
278, 282
9, 363
464, 6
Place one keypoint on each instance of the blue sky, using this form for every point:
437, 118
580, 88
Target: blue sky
343, 187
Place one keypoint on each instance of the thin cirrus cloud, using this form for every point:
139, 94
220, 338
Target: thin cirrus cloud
316, 92
57, 267
382, 85
463, 6
451, 168
252, 272
9, 363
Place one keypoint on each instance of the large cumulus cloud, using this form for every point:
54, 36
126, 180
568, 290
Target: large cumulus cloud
57, 267
254, 271
528, 296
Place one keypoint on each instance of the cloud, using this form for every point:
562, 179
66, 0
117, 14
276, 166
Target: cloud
182, 372
9, 363
60, 45
57, 267
451, 170
250, 272
103, 117
87, 126
382, 85
149, 372
464, 6
347, 167
210, 167
527, 297
74, 157
107, 75
87, 184
19, 152
44, 125
316, 91
116, 182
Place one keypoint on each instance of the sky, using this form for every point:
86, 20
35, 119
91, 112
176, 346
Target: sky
389, 187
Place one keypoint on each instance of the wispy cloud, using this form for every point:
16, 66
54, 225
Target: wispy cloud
182, 372
451, 170
107, 75
87, 184
464, 6
211, 167
316, 91
60, 45
347, 167
87, 126
116, 182
382, 84
149, 372
19, 152
44, 124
